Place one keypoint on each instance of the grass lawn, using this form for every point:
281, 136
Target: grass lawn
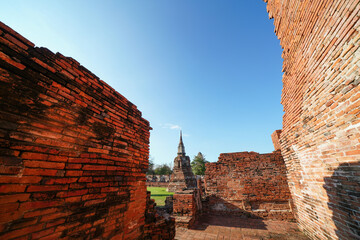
159, 194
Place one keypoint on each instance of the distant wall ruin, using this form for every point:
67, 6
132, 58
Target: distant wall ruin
248, 184
321, 125
73, 151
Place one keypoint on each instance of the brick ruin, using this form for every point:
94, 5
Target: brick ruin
320, 138
187, 207
275, 137
248, 184
74, 152
186, 202
157, 227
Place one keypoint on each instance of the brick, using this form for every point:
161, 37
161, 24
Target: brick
23, 179
46, 188
73, 173
10, 170
51, 217
96, 150
39, 212
12, 188
14, 198
73, 166
44, 65
85, 179
10, 61
60, 180
21, 232
39, 172
72, 193
55, 235
94, 167
8, 207
43, 233
57, 158
44, 164
73, 199
34, 156
353, 152
24, 223
55, 223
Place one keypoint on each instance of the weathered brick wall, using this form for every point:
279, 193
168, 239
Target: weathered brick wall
248, 184
321, 125
157, 227
186, 207
275, 137
73, 151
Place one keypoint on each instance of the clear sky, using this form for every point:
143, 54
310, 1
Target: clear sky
211, 68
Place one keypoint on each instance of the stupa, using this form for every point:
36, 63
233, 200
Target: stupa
182, 177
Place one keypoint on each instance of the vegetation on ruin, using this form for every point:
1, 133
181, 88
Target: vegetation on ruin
159, 194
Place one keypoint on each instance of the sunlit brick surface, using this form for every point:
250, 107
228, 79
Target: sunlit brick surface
320, 139
248, 184
235, 228
74, 152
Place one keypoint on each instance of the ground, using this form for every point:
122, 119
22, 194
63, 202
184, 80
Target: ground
159, 194
231, 228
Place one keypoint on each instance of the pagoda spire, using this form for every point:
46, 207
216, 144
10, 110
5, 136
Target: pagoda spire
181, 147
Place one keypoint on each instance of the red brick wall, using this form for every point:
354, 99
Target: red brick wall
248, 184
186, 207
321, 125
157, 227
275, 137
73, 151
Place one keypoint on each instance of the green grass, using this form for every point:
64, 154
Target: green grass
159, 194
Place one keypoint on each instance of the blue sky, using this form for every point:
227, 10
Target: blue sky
211, 68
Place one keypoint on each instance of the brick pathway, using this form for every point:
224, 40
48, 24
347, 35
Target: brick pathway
231, 228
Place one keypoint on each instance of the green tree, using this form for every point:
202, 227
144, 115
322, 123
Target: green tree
163, 169
151, 170
198, 164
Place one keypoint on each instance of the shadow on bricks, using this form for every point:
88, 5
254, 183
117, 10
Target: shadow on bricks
343, 190
227, 215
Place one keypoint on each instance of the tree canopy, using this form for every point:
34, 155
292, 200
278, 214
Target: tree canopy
151, 170
163, 169
198, 164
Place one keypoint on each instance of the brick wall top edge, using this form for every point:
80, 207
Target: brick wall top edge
245, 153
72, 63
233, 157
15, 34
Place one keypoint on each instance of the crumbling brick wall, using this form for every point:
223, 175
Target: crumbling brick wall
73, 151
248, 184
321, 125
186, 207
275, 137
157, 226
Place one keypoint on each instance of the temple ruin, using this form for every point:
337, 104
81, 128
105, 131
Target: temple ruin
182, 177
74, 152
